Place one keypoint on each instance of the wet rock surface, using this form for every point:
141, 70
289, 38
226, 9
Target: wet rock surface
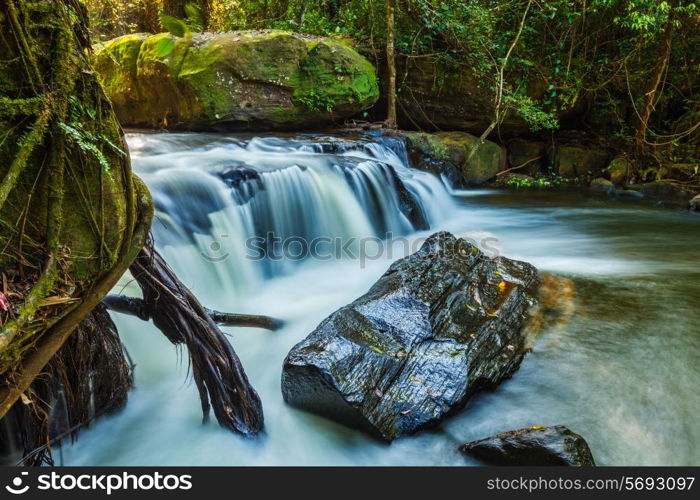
436, 327
537, 445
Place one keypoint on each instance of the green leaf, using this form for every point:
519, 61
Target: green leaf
173, 25
164, 47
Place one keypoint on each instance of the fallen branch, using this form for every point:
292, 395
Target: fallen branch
216, 369
137, 307
525, 164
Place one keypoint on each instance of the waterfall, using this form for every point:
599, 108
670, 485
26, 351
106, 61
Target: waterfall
225, 202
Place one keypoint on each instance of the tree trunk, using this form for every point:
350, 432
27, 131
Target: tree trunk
175, 8
650, 96
72, 216
391, 66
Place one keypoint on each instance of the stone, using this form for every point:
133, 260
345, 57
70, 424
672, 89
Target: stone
235, 80
577, 159
602, 185
447, 153
438, 326
536, 446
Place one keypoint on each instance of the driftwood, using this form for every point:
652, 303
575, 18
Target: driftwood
138, 307
216, 369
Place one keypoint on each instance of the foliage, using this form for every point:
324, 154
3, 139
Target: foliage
593, 57
316, 100
549, 181
78, 133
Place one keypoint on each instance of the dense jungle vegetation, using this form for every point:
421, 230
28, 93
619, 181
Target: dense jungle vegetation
626, 70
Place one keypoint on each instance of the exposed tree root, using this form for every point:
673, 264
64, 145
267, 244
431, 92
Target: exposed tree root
217, 371
88, 377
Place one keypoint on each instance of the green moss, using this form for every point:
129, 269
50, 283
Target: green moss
335, 75
276, 78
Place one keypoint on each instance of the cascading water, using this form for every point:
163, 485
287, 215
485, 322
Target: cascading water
620, 368
213, 198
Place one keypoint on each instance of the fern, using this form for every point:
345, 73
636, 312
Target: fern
83, 138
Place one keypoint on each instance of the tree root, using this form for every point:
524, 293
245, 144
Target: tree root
217, 370
87, 378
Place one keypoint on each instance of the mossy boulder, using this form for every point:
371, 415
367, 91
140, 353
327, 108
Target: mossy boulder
238, 80
619, 170
448, 153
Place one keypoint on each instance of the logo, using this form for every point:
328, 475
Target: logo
215, 248
16, 488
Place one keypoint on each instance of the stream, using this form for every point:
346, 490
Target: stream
623, 372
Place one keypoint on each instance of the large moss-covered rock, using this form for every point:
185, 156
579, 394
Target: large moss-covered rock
439, 325
448, 153
236, 80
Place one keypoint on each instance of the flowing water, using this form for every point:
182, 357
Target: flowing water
623, 372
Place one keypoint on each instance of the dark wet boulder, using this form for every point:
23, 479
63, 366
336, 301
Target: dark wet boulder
439, 325
537, 445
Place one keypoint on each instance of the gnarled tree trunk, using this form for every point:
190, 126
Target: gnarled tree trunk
72, 215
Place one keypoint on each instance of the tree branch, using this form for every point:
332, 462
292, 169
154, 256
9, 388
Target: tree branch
138, 307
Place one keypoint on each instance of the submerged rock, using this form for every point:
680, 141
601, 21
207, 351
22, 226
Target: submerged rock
532, 446
436, 327
235, 80
665, 193
602, 185
695, 204
447, 153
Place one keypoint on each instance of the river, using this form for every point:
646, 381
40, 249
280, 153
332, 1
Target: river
623, 371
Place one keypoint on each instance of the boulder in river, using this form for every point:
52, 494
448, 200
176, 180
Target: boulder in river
235, 80
439, 325
536, 445
448, 153
436, 96
602, 185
